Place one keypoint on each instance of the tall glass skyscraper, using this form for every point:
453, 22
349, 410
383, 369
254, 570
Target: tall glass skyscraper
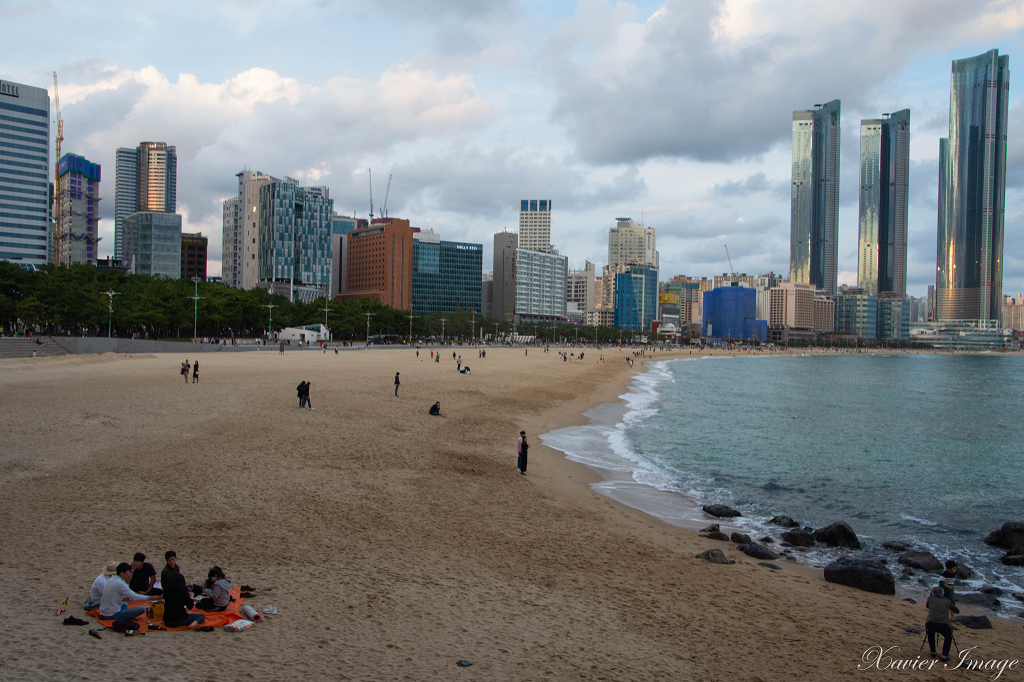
972, 189
814, 198
24, 172
146, 179
884, 182
295, 227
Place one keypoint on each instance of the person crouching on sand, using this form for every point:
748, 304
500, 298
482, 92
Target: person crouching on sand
217, 592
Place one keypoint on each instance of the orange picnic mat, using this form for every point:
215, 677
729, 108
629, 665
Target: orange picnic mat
213, 618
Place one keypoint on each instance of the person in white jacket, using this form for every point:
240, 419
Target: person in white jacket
96, 592
117, 594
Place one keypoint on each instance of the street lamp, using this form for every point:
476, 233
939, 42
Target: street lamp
443, 320
110, 294
368, 316
326, 310
270, 320
410, 316
472, 332
195, 309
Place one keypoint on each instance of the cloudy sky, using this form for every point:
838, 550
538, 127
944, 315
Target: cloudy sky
680, 111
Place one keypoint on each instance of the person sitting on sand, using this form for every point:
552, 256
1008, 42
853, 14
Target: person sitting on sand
143, 578
217, 593
177, 602
171, 567
939, 610
435, 409
96, 593
117, 594
464, 370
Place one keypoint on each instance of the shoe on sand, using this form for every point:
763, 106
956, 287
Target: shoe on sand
270, 610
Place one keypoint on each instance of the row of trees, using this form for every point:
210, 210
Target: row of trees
75, 301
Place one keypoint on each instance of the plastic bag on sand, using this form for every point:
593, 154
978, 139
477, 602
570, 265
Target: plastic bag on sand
238, 626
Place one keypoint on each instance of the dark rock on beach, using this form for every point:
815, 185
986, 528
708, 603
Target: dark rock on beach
720, 510
771, 566
910, 629
784, 521
896, 546
989, 589
912, 601
839, 534
1010, 536
713, 528
964, 571
798, 537
767, 539
715, 556
978, 598
740, 538
757, 551
925, 561
717, 535
1018, 596
1013, 559
863, 574
974, 622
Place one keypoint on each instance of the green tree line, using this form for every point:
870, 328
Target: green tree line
72, 300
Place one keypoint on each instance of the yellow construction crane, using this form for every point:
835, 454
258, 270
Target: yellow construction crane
59, 243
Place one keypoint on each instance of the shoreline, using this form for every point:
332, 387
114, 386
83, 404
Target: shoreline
663, 505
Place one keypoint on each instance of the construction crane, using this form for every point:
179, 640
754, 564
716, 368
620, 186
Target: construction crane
731, 268
370, 172
58, 242
384, 208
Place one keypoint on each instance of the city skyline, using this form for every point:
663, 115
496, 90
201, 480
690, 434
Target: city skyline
581, 103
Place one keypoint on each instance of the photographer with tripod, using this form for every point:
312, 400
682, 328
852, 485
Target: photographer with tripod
939, 609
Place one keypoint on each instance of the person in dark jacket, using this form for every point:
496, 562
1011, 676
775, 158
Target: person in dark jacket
435, 409
522, 447
177, 602
397, 384
939, 608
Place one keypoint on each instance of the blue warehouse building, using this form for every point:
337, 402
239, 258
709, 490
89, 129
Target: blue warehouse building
731, 313
446, 276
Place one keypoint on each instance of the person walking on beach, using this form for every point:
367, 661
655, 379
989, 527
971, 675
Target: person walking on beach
195, 373
397, 384
303, 391
521, 448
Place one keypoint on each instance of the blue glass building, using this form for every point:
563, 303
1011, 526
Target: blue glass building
24, 172
446, 276
636, 298
857, 314
731, 313
972, 191
152, 243
295, 229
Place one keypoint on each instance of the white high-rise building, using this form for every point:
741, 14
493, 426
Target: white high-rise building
240, 236
146, 179
630, 243
535, 225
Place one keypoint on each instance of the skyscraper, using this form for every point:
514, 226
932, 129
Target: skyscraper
295, 228
972, 189
240, 266
77, 210
24, 172
884, 181
814, 198
535, 225
503, 301
146, 180
630, 243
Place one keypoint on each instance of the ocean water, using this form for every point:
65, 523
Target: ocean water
926, 449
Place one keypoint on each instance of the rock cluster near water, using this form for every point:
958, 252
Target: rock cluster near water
715, 556
924, 561
1010, 537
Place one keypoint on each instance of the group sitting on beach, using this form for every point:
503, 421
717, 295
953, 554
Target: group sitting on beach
120, 584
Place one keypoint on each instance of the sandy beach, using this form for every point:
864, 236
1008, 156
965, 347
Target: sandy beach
392, 543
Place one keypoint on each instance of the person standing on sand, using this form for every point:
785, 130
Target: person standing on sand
185, 367
397, 384
195, 373
521, 448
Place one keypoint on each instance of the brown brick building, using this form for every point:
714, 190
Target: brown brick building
193, 255
379, 263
